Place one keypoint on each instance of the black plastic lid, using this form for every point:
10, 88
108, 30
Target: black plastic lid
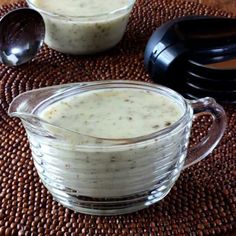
184, 54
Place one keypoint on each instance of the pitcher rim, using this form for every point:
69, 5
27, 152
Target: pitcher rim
160, 134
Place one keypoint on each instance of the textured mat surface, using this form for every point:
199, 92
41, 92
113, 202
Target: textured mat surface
203, 201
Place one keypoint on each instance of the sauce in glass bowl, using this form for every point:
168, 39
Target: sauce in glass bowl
83, 27
104, 115
114, 113
113, 147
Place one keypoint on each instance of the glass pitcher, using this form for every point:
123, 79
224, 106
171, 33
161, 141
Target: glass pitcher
112, 176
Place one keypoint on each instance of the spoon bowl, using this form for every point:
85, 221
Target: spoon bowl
22, 34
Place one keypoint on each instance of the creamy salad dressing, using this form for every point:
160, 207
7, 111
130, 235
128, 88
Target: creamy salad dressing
115, 114
102, 170
81, 7
79, 27
118, 176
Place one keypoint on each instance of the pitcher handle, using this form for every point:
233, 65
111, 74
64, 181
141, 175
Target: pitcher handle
202, 107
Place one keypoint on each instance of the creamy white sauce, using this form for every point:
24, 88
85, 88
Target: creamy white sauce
104, 171
115, 114
81, 7
79, 28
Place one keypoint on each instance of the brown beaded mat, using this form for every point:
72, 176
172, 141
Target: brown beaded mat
203, 201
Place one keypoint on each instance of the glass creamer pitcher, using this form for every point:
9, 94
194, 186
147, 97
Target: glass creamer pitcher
102, 176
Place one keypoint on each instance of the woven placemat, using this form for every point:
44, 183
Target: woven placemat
203, 201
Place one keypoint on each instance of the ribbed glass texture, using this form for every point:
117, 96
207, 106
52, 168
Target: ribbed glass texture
104, 176
116, 180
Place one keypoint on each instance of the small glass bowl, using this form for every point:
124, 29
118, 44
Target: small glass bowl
81, 35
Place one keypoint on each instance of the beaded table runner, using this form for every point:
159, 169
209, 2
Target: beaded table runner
203, 201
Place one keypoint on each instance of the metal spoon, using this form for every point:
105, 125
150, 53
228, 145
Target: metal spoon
22, 34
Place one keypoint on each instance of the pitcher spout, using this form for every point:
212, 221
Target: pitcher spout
24, 105
21, 107
30, 105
